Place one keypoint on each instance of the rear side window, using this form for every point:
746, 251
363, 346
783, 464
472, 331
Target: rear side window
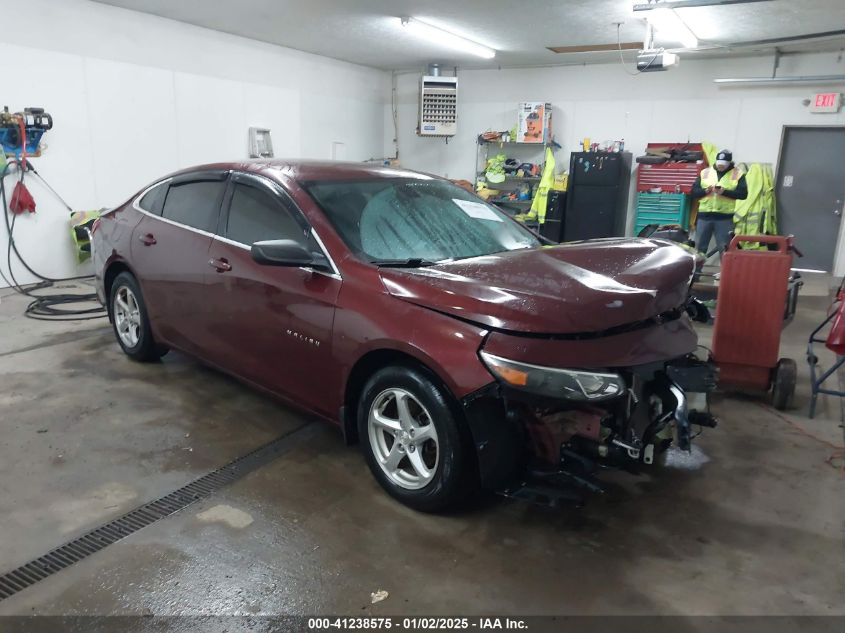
153, 200
195, 204
256, 215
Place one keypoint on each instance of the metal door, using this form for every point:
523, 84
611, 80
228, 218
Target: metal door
811, 191
272, 324
170, 261
170, 254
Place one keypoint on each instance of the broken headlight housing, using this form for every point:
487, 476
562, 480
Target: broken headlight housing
570, 384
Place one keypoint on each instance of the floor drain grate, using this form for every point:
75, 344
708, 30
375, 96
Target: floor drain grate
100, 537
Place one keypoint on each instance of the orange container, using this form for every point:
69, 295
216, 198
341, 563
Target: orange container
750, 311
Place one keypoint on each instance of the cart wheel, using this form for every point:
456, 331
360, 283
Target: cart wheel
783, 385
812, 359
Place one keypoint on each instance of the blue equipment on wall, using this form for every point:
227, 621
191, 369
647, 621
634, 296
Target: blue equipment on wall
31, 123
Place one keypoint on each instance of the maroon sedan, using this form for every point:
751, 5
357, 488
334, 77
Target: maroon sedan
444, 337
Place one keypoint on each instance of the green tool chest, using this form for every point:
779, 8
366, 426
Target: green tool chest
661, 208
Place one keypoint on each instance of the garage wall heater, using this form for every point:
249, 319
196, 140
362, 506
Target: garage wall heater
438, 106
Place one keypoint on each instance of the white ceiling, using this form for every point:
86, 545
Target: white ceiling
369, 32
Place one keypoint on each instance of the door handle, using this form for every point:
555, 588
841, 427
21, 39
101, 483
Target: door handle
221, 265
148, 239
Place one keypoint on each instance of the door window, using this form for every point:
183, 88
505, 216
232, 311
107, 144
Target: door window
256, 215
195, 204
153, 200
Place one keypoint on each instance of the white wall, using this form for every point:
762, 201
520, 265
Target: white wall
135, 96
604, 103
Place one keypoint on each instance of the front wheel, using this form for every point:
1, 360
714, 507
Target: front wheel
411, 440
130, 321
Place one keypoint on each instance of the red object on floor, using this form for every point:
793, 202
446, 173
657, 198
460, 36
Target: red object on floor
835, 341
22, 200
750, 310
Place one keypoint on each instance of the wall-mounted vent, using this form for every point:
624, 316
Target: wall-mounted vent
438, 106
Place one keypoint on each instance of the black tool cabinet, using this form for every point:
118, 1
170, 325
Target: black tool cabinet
597, 196
552, 228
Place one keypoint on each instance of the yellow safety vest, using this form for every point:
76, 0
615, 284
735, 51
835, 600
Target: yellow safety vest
541, 197
757, 214
715, 203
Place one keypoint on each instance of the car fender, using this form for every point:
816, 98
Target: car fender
447, 346
113, 260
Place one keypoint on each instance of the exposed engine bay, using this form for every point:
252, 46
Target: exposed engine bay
566, 444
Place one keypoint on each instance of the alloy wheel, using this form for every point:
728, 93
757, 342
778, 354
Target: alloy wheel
403, 439
127, 317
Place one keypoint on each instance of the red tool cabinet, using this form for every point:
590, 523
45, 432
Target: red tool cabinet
670, 177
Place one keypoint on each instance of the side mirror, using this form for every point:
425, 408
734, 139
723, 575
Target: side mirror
287, 253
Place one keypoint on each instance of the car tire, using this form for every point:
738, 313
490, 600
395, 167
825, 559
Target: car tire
130, 321
420, 456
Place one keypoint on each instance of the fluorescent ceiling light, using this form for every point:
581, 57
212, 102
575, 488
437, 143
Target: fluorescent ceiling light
670, 27
440, 37
811, 79
685, 4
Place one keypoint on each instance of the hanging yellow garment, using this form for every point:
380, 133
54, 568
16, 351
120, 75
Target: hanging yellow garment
541, 197
80, 226
770, 223
757, 214
710, 152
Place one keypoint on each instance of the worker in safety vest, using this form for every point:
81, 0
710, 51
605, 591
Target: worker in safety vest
718, 187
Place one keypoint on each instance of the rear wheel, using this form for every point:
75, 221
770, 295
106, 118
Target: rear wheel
411, 440
783, 384
130, 322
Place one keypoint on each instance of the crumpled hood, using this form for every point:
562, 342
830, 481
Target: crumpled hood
573, 288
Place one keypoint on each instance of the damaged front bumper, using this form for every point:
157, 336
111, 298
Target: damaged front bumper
535, 446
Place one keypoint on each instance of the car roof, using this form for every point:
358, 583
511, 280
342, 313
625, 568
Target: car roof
311, 170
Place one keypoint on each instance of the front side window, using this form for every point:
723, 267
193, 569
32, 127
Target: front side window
402, 219
195, 204
256, 215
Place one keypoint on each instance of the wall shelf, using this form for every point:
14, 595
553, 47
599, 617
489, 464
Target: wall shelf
509, 178
483, 153
511, 143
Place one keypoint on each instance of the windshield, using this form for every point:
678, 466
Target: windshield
395, 221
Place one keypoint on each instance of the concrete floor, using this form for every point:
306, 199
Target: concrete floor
753, 522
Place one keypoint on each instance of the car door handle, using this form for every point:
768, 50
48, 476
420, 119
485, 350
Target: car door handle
147, 239
221, 265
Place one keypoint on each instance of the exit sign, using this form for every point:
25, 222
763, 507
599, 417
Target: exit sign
826, 102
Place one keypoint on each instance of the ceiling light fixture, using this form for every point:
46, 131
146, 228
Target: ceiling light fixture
686, 4
438, 36
672, 28
764, 81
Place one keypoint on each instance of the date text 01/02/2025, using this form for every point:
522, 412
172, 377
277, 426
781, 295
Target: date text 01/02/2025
420, 623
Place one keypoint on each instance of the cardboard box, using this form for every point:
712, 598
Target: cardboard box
535, 122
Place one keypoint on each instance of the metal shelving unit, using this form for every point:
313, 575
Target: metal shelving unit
511, 182
483, 152
514, 143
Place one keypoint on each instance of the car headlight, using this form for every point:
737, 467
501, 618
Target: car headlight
570, 384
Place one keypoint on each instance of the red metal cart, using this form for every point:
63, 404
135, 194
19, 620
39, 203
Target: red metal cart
835, 342
757, 296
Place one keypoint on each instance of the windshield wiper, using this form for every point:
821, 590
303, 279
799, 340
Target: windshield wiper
414, 262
